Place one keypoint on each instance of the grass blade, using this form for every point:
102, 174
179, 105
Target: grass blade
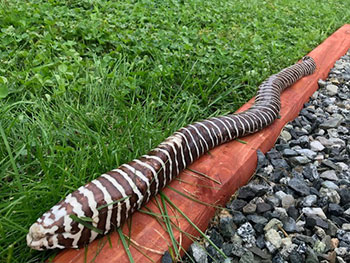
127, 250
12, 160
193, 224
193, 199
112, 203
204, 175
85, 222
169, 229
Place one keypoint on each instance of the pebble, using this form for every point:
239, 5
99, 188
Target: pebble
332, 89
274, 238
307, 152
247, 232
316, 146
289, 152
299, 186
289, 225
287, 201
310, 172
331, 123
199, 253
335, 209
256, 219
329, 175
330, 185
309, 200
344, 196
237, 205
263, 207
331, 194
226, 224
273, 223
299, 160
216, 238
246, 193
247, 257
314, 211
281, 213
166, 258
286, 135
346, 227
249, 208
238, 218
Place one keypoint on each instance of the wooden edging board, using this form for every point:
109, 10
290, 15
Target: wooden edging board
232, 164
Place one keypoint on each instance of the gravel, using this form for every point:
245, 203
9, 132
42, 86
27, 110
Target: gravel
297, 207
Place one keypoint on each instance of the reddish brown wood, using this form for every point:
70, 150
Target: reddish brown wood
232, 164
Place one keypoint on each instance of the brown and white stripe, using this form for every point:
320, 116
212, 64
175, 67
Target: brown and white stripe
136, 182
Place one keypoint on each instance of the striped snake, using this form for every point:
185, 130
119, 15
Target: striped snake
134, 183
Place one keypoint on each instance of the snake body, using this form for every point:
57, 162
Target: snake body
136, 182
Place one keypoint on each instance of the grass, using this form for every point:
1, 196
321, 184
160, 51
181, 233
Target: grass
88, 85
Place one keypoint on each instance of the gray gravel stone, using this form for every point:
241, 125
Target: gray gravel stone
330, 185
287, 201
299, 160
250, 208
247, 233
310, 172
199, 253
226, 225
299, 186
309, 200
289, 153
273, 223
316, 146
166, 258
314, 211
331, 194
329, 175
247, 257
335, 209
289, 225
263, 207
308, 153
273, 237
286, 135
332, 89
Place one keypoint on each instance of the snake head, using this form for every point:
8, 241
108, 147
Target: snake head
45, 232
57, 229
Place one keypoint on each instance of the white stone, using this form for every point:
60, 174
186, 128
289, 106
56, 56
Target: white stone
312, 211
274, 238
280, 194
316, 146
273, 223
332, 89
308, 153
288, 201
346, 227
329, 175
286, 135
332, 194
343, 166
347, 212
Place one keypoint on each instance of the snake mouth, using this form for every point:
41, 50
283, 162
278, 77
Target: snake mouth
36, 238
40, 238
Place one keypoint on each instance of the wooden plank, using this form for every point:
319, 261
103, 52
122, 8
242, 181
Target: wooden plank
232, 164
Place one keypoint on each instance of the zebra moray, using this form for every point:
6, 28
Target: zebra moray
136, 182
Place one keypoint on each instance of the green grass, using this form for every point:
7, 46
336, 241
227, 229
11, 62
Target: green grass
88, 85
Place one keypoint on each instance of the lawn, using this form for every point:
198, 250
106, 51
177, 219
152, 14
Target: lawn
88, 85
